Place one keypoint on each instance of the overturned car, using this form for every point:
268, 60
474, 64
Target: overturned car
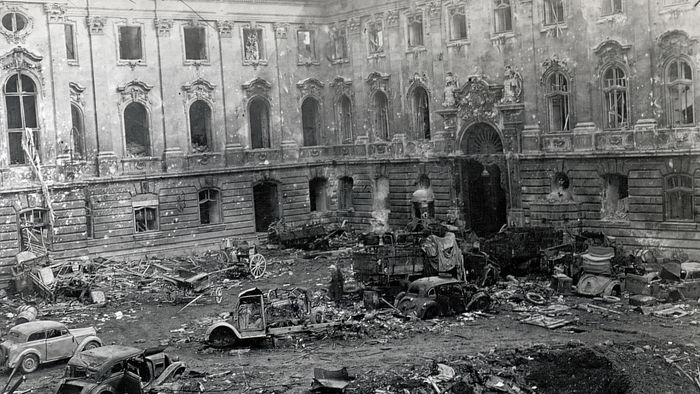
435, 296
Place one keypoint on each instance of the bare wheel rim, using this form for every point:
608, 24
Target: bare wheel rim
218, 295
257, 265
30, 363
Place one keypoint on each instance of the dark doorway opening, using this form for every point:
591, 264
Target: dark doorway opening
487, 203
266, 204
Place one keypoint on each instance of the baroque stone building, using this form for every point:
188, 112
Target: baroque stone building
141, 125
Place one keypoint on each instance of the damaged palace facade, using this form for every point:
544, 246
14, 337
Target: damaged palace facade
158, 126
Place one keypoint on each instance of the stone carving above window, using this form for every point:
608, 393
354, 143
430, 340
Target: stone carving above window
354, 25
555, 64
56, 12
199, 89
163, 27
257, 87
676, 43
16, 24
135, 91
76, 93
610, 51
21, 58
477, 100
343, 86
392, 18
225, 28
96, 24
310, 87
378, 81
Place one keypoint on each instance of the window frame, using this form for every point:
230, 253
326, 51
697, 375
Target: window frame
195, 62
346, 121
498, 8
339, 34
550, 94
81, 114
131, 62
412, 20
375, 28
317, 121
683, 191
149, 124
345, 194
605, 11
304, 61
209, 133
209, 199
14, 13
74, 41
145, 208
615, 88
43, 226
417, 114
678, 82
22, 113
260, 32
547, 7
376, 108
268, 108
314, 192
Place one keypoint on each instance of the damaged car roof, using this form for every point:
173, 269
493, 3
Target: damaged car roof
94, 358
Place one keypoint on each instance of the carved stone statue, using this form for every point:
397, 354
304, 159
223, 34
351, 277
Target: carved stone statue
512, 86
560, 191
252, 48
450, 90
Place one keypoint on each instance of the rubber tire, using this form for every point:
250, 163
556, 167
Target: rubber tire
32, 366
91, 345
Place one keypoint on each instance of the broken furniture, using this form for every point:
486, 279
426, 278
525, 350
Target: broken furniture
674, 281
596, 267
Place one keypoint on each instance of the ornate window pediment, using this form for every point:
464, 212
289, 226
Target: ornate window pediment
342, 86
135, 91
21, 58
199, 89
611, 50
477, 100
378, 81
676, 43
76, 93
310, 87
257, 87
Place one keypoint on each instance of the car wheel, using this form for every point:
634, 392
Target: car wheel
431, 313
91, 345
406, 306
29, 363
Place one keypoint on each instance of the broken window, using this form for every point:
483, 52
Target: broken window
615, 204
381, 116
558, 102
200, 126
130, 43
458, 23
679, 87
145, 212
317, 195
310, 121
136, 130
375, 37
306, 46
415, 31
421, 113
503, 17
340, 45
14, 22
345, 185
615, 98
195, 43
678, 197
70, 42
20, 101
259, 115
345, 115
553, 12
253, 43
611, 7
34, 230
266, 201
77, 132
209, 206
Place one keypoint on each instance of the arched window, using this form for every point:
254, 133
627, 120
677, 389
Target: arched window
209, 206
679, 88
381, 116
136, 130
20, 102
77, 132
345, 118
502, 16
615, 98
259, 116
310, 121
678, 197
421, 113
558, 101
200, 126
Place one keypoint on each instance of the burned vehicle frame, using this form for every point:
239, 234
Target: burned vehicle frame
435, 296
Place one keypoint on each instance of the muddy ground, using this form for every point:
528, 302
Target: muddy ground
598, 352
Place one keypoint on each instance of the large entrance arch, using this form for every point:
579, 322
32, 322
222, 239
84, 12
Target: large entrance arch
484, 179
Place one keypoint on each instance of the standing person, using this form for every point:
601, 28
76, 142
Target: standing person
335, 289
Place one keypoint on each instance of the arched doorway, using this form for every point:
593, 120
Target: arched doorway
266, 205
484, 179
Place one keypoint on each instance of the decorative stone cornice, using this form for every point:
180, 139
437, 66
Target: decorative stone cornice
257, 87
163, 26
96, 24
56, 12
135, 91
225, 28
310, 87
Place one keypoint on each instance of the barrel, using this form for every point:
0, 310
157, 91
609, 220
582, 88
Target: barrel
25, 314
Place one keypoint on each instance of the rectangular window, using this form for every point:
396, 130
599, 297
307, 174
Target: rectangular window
195, 43
458, 24
415, 31
70, 42
306, 46
503, 17
559, 112
340, 45
375, 37
611, 7
34, 230
209, 207
146, 219
679, 197
345, 194
130, 43
553, 12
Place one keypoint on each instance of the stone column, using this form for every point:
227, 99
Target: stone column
444, 140
513, 116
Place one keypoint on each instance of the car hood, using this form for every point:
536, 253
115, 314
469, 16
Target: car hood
83, 332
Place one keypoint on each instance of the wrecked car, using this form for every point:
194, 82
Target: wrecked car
41, 341
119, 369
435, 296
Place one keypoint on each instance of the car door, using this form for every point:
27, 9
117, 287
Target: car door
37, 340
59, 344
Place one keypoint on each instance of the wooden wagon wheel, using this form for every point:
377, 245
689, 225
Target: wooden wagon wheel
218, 295
257, 265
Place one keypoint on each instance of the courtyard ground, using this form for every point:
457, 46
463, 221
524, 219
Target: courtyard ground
612, 350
